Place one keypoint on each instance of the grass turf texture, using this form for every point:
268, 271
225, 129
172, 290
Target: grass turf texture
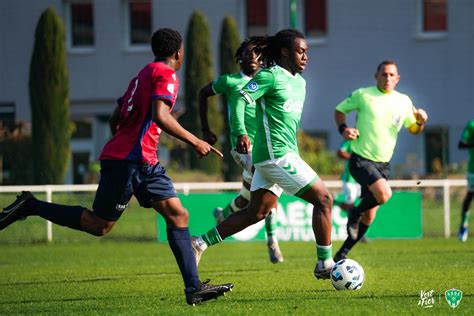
141, 278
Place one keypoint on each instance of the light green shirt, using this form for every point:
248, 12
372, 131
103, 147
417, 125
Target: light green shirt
467, 137
380, 117
229, 85
280, 97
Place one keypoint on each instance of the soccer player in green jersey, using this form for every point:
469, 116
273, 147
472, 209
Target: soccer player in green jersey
229, 85
467, 142
381, 113
279, 93
350, 187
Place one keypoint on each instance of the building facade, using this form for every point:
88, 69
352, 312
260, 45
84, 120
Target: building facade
432, 42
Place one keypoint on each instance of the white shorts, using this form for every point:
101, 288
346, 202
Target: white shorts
470, 182
351, 191
289, 173
245, 161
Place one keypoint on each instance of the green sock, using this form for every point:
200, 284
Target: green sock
324, 252
270, 225
212, 237
227, 211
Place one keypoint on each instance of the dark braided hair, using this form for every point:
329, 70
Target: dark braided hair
269, 47
248, 43
165, 42
240, 51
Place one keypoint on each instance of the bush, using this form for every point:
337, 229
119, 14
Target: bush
16, 154
313, 151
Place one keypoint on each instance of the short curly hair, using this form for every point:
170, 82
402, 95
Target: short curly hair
165, 42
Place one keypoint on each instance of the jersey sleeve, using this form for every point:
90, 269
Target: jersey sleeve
252, 91
350, 103
164, 86
219, 86
409, 115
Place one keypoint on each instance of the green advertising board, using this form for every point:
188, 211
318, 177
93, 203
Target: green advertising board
400, 217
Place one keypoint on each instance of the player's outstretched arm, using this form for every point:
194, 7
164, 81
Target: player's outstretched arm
204, 94
162, 117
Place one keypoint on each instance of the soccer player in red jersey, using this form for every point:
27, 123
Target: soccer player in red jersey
129, 166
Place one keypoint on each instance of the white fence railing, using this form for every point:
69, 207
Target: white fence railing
185, 188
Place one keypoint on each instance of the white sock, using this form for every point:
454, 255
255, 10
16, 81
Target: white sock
200, 243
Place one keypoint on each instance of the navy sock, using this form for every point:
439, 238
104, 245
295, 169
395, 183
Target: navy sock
64, 215
179, 240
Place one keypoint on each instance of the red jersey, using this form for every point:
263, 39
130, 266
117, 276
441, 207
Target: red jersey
137, 135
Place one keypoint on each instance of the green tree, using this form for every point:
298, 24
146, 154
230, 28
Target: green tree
228, 45
199, 72
15, 153
49, 99
313, 151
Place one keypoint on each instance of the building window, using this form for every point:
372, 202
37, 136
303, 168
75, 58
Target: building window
81, 17
139, 19
435, 15
80, 167
83, 130
7, 115
437, 149
315, 24
257, 17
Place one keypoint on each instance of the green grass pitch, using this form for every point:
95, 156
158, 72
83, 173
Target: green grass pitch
141, 278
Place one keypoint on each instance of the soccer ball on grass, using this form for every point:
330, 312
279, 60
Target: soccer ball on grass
347, 274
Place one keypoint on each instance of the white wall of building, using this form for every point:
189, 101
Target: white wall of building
435, 71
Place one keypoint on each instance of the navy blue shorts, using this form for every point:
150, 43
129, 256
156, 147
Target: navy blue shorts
366, 171
120, 179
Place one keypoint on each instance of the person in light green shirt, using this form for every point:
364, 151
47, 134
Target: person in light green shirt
229, 85
381, 113
467, 142
279, 93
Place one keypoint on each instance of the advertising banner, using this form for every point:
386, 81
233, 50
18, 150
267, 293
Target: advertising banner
400, 217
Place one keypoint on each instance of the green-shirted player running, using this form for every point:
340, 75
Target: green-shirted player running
230, 85
350, 187
279, 92
381, 113
467, 142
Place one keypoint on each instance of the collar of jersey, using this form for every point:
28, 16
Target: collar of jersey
244, 76
287, 72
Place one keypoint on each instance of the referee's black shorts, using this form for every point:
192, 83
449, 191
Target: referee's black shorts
366, 171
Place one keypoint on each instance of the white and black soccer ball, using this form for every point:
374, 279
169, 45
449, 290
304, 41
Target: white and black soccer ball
347, 274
